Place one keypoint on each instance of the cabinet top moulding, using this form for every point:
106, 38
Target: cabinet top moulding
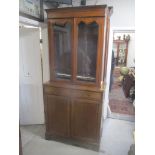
82, 11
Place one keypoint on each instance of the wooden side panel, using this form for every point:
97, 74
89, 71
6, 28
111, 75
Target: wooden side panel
57, 118
106, 47
85, 120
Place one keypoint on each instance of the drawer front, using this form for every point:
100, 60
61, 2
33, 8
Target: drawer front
57, 91
87, 95
73, 93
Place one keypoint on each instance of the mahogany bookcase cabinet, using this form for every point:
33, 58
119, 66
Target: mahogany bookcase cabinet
73, 98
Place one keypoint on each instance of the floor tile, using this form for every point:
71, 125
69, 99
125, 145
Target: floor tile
116, 140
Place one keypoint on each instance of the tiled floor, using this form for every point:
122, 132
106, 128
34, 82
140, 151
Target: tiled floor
117, 100
117, 137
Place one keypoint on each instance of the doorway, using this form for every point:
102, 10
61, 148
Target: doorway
122, 78
30, 75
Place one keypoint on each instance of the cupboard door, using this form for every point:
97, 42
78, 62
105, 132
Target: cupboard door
85, 120
57, 112
60, 43
89, 48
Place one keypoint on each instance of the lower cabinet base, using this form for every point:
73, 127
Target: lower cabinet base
87, 145
73, 116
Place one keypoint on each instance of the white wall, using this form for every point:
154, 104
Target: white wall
123, 11
106, 109
27, 21
30, 76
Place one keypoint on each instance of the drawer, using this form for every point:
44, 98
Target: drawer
57, 91
87, 95
73, 93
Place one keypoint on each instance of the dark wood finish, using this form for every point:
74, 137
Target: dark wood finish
85, 118
57, 108
74, 93
73, 108
100, 51
106, 46
74, 59
128, 82
72, 86
67, 109
83, 11
100, 57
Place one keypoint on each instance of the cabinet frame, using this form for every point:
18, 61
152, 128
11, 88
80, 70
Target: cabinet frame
74, 46
84, 99
52, 96
100, 22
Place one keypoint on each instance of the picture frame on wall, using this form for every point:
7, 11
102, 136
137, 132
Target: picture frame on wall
32, 9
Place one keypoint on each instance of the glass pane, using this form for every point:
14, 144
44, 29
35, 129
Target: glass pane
87, 51
62, 45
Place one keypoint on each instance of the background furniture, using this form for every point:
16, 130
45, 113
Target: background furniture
78, 50
128, 83
122, 50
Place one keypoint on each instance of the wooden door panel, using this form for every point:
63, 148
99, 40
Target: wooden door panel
58, 111
85, 120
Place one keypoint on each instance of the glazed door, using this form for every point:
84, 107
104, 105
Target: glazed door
85, 120
57, 115
60, 46
89, 46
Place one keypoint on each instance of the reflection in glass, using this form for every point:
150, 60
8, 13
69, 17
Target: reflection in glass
87, 51
62, 45
121, 55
